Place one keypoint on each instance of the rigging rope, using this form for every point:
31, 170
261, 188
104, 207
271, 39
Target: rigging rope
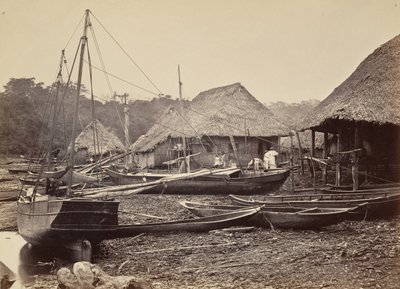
104, 68
137, 66
73, 33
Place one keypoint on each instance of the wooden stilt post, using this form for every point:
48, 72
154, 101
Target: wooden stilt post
312, 152
355, 157
325, 156
300, 154
338, 170
291, 162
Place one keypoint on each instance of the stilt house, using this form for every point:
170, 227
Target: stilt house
363, 117
217, 121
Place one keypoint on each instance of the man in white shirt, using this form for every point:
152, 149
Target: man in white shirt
270, 158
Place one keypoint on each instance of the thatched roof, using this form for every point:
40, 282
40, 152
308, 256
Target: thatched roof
371, 93
107, 140
222, 111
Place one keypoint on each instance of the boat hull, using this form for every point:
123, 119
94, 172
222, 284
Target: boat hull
277, 217
218, 221
61, 221
211, 184
368, 207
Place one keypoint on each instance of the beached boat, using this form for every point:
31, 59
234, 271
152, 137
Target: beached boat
57, 219
56, 222
371, 207
231, 182
277, 217
204, 224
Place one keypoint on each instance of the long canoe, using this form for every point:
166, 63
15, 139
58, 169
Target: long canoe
217, 221
370, 206
277, 217
245, 183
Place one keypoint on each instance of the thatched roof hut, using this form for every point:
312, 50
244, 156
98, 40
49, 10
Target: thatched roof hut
370, 94
224, 111
107, 141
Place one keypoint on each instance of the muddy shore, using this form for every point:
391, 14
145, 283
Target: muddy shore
347, 255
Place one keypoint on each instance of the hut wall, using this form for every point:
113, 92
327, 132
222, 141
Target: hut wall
248, 148
145, 160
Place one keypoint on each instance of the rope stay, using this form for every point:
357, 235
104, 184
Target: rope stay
133, 61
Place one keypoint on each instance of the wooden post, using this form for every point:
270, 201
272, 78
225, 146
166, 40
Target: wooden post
313, 143
236, 152
291, 162
355, 157
325, 156
338, 170
312, 153
300, 154
279, 151
184, 167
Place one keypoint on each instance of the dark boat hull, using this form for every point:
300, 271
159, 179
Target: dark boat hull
218, 221
212, 184
60, 221
278, 217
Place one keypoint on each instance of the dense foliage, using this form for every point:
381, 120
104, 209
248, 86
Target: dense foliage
26, 113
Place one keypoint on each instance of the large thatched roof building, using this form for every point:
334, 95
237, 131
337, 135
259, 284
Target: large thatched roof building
364, 111
106, 141
370, 94
207, 122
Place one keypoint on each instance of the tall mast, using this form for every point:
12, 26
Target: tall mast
53, 127
183, 136
126, 129
78, 92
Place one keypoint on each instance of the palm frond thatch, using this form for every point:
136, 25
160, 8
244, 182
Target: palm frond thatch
107, 141
222, 111
371, 93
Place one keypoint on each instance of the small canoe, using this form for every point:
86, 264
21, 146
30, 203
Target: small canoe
277, 217
218, 221
371, 207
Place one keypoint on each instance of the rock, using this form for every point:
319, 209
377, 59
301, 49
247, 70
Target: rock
84, 274
66, 278
87, 276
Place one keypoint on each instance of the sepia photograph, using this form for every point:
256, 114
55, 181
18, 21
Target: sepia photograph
151, 144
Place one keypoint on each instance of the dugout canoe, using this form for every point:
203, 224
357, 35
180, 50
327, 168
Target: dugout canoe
277, 217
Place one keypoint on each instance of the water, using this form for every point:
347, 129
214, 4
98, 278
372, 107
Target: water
24, 260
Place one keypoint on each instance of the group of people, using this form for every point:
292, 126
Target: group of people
269, 161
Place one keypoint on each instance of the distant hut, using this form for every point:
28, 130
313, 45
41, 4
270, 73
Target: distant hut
364, 113
209, 123
106, 142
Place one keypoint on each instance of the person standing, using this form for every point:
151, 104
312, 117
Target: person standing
270, 158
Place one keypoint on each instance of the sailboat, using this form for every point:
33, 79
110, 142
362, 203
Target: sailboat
46, 218
50, 220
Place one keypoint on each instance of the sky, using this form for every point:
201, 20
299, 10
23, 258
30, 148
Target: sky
280, 50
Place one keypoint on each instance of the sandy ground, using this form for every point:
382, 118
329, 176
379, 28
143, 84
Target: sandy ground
346, 255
